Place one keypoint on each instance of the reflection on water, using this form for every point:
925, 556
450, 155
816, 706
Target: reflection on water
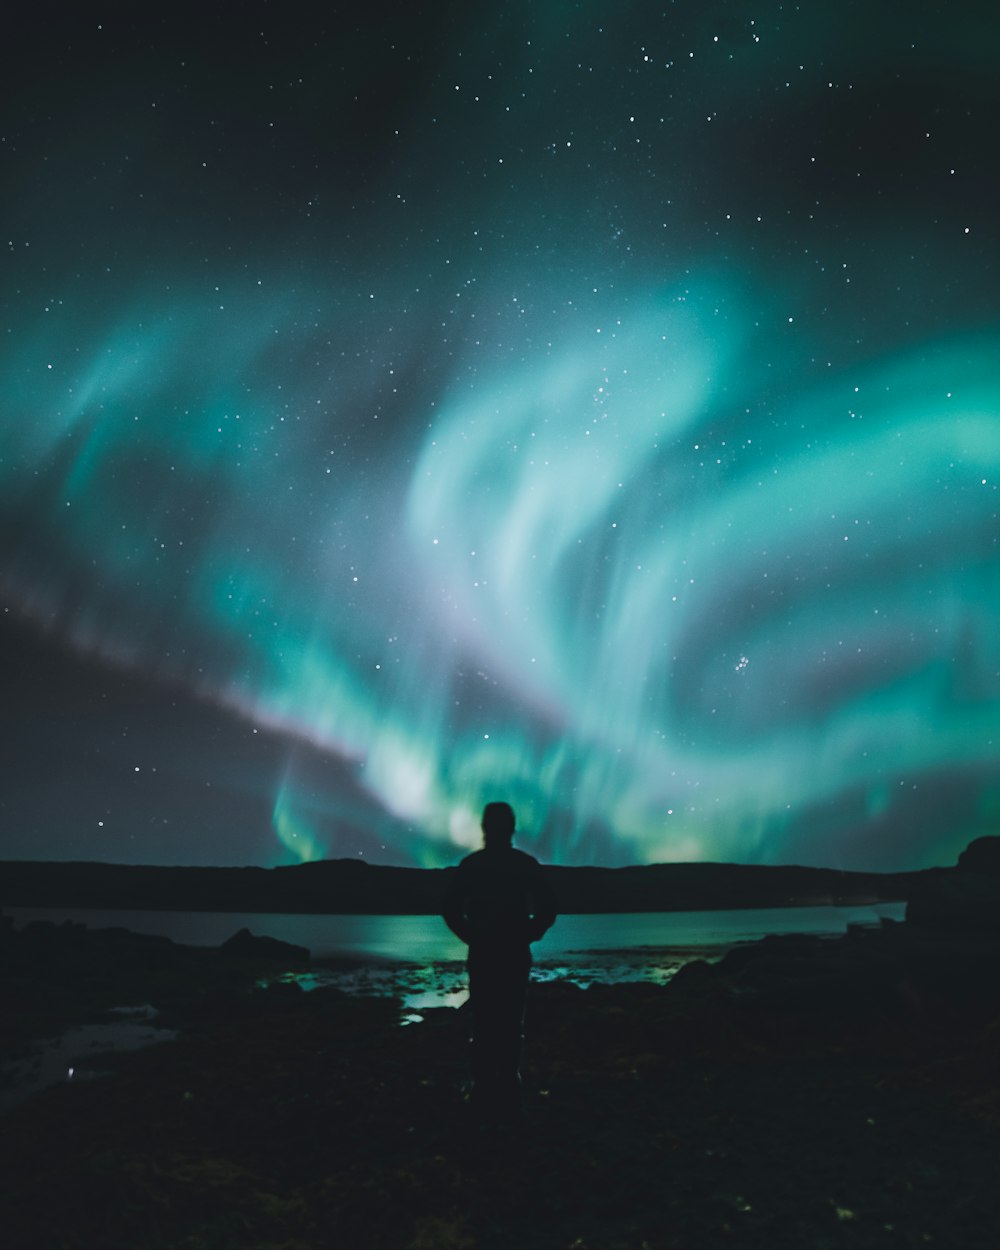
425, 939
417, 960
584, 950
435, 998
418, 986
443, 984
65, 1058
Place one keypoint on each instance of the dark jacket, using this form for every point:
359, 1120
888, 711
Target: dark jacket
499, 897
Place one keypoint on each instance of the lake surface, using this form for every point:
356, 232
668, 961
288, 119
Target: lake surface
422, 939
417, 958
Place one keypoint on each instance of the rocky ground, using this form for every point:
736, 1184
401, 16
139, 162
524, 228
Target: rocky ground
802, 1093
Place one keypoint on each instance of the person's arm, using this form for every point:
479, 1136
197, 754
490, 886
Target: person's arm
544, 900
453, 910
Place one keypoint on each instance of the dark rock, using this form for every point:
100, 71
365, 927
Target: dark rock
785, 946
695, 972
965, 899
981, 856
957, 900
277, 996
246, 945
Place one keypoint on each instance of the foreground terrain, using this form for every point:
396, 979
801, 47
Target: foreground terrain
803, 1093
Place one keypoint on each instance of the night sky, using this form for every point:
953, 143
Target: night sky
593, 405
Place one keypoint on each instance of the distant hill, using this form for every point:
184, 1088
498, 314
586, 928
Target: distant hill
349, 886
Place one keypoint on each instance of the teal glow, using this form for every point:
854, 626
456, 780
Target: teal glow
294, 831
578, 594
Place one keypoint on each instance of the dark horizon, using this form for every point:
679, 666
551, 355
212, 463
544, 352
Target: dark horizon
353, 887
348, 859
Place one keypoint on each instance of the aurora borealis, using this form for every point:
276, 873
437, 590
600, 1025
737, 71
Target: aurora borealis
595, 406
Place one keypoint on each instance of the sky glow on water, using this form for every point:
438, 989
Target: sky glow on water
594, 408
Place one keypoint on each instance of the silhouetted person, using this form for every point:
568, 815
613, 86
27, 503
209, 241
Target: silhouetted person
498, 903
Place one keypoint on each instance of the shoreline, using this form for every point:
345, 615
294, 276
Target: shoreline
424, 938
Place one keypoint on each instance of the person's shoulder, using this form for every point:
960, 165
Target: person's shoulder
524, 859
471, 860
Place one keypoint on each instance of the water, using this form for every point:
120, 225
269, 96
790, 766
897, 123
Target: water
58, 1059
418, 957
418, 960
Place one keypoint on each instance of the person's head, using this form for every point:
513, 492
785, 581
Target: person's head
498, 824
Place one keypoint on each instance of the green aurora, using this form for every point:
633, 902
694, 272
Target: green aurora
568, 456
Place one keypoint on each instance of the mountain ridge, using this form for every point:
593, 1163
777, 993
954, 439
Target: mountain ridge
348, 886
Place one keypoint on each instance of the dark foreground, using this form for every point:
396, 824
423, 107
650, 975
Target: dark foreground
805, 1093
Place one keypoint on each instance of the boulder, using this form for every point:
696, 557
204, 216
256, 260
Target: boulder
981, 856
958, 901
246, 945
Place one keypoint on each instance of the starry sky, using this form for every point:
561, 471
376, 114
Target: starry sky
592, 405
